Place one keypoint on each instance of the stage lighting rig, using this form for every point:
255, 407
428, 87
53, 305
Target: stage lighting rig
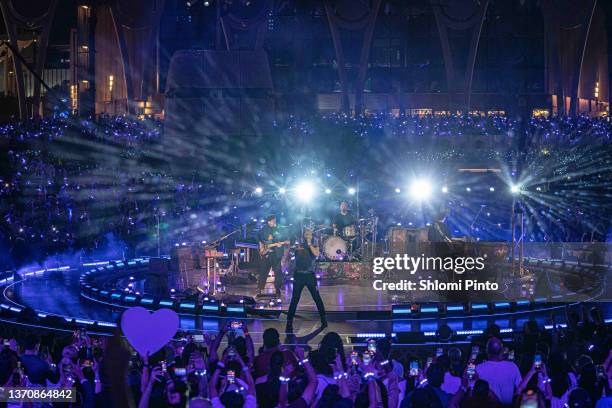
515, 189
420, 190
352, 190
305, 191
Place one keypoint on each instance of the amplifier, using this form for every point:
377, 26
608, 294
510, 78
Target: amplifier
159, 266
410, 241
182, 259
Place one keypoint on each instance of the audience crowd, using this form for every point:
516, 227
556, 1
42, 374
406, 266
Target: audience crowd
556, 368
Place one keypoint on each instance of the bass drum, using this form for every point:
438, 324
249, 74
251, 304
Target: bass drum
334, 248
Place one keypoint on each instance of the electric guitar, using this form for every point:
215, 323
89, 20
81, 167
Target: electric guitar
265, 249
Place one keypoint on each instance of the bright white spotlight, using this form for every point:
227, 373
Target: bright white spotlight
305, 191
258, 190
282, 190
352, 190
445, 189
491, 189
515, 188
468, 189
397, 190
327, 191
420, 190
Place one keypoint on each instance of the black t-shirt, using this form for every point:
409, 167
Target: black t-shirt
37, 370
343, 220
269, 235
303, 258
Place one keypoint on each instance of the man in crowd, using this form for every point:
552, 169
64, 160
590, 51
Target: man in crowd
37, 369
271, 344
503, 376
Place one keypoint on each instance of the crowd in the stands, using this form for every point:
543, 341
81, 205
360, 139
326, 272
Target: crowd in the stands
70, 184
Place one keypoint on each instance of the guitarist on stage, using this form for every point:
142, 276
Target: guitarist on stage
271, 252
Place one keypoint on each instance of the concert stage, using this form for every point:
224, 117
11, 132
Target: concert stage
94, 296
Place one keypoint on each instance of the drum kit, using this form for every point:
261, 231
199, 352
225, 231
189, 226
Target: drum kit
353, 242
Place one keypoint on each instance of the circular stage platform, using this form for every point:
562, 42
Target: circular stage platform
94, 295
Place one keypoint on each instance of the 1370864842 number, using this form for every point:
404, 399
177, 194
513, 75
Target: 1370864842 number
37, 394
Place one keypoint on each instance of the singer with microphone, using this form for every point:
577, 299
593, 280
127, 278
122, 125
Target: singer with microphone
304, 276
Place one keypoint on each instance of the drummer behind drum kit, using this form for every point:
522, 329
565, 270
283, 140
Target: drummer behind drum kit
354, 242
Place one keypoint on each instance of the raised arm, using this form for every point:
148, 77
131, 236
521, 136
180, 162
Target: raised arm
212, 385
146, 394
250, 347
523, 385
214, 345
314, 249
310, 391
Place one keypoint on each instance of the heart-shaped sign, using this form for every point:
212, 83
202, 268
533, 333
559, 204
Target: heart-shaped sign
148, 332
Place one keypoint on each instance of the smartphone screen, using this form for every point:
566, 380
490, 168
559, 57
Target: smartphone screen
198, 338
414, 368
180, 371
231, 376
164, 367
471, 371
372, 346
354, 356
537, 361
366, 357
511, 355
439, 351
236, 327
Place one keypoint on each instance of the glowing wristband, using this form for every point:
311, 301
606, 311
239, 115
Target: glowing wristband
284, 380
304, 361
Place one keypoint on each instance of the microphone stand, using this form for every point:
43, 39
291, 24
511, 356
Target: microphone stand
474, 221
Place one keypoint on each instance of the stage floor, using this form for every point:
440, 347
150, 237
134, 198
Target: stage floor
340, 297
59, 294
